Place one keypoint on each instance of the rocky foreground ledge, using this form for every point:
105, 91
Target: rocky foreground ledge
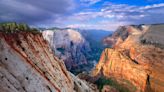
136, 58
27, 64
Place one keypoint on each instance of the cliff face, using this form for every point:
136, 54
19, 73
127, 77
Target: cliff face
69, 45
27, 64
136, 56
122, 33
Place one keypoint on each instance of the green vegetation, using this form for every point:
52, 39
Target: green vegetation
104, 81
12, 27
81, 68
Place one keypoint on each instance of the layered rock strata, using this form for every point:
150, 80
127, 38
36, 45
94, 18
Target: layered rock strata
136, 56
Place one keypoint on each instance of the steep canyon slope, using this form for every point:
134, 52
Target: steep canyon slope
136, 57
80, 49
70, 46
27, 64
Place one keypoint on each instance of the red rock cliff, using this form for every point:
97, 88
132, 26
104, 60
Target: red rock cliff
136, 57
28, 65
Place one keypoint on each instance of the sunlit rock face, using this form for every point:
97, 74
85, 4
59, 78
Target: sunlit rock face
69, 45
27, 64
122, 33
136, 56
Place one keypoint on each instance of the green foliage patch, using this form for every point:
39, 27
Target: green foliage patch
12, 27
104, 81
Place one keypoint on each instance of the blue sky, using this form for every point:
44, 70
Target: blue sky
85, 14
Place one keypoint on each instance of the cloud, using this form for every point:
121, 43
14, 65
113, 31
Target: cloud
136, 12
101, 25
64, 13
89, 2
34, 12
139, 15
119, 14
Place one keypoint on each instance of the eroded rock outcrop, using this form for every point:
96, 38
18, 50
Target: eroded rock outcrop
81, 85
69, 45
136, 56
27, 64
122, 33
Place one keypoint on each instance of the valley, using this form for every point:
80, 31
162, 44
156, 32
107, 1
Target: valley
79, 49
81, 46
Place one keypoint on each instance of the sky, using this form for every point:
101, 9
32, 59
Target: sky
84, 14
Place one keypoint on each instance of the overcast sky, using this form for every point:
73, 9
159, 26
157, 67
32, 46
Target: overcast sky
88, 14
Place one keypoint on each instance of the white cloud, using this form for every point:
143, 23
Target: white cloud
102, 25
119, 14
58, 13
89, 2
152, 6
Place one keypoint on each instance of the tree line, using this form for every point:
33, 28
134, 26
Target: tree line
12, 27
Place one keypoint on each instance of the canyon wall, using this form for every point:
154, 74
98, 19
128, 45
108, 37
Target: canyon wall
136, 57
27, 64
69, 45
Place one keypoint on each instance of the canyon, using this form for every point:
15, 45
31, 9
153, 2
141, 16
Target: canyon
33, 61
81, 45
79, 49
70, 46
27, 64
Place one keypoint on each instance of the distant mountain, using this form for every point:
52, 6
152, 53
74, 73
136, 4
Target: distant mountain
95, 34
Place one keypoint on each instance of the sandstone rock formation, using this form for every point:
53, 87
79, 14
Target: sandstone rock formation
68, 45
107, 88
136, 56
121, 34
83, 85
27, 64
